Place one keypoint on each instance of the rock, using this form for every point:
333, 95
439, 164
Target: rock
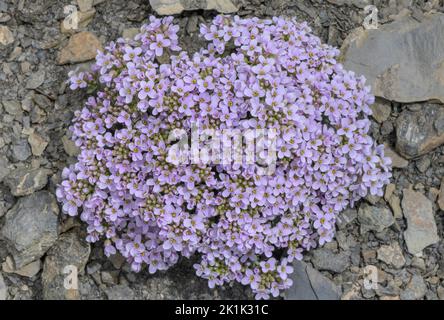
130, 33
29, 271
418, 263
392, 255
440, 292
6, 200
4, 167
222, 6
389, 190
3, 288
26, 181
192, 24
120, 292
12, 107
381, 110
419, 132
440, 196
167, 7
81, 47
6, 36
170, 7
423, 164
415, 290
310, 284
83, 20
421, 227
30, 227
59, 265
38, 143
36, 79
85, 5
413, 69
93, 267
346, 217
395, 204
109, 277
70, 147
21, 150
117, 260
397, 160
374, 218
325, 259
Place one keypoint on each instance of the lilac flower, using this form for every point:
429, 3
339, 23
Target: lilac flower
160, 43
153, 206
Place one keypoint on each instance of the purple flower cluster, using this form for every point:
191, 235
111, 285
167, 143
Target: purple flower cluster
244, 227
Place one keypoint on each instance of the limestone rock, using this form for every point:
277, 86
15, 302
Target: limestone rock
38, 143
26, 181
374, 218
397, 160
325, 259
419, 132
413, 71
30, 227
310, 284
6, 36
421, 226
392, 255
81, 47
170, 7
58, 265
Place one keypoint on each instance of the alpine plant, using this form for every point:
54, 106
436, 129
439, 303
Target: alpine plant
242, 226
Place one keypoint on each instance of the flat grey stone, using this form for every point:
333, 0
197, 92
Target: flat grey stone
30, 227
310, 284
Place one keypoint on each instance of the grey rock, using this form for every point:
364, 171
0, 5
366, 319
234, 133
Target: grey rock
70, 147
3, 288
85, 5
423, 164
130, 33
6, 200
413, 69
6, 36
21, 150
36, 79
395, 204
440, 195
170, 7
419, 132
392, 255
325, 259
310, 284
415, 290
346, 217
374, 218
4, 167
81, 47
120, 292
12, 107
397, 160
440, 292
30, 227
381, 110
38, 143
109, 277
58, 265
421, 226
22, 182
29, 271
418, 263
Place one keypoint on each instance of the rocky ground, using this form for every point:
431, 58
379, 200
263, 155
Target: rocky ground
385, 248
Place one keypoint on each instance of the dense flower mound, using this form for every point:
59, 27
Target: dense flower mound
243, 226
